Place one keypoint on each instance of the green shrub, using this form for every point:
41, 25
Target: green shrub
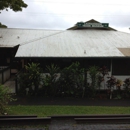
31, 77
51, 80
72, 80
5, 98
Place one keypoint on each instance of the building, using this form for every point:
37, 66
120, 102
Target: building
90, 43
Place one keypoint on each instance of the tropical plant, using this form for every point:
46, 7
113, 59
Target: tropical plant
72, 80
126, 88
93, 72
30, 78
104, 71
111, 82
119, 83
99, 80
94, 77
5, 98
34, 75
127, 83
50, 80
23, 83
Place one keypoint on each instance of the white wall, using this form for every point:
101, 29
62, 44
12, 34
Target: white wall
6, 75
103, 84
122, 78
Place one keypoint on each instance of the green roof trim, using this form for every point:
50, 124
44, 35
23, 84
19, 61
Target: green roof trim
91, 24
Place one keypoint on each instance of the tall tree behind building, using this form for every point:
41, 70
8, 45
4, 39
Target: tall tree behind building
2, 25
15, 5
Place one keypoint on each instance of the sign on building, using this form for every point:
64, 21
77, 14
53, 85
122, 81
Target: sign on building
92, 25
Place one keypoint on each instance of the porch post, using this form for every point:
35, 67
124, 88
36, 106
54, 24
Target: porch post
2, 76
111, 67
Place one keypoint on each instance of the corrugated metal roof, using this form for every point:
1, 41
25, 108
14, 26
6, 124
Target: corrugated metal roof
69, 43
12, 37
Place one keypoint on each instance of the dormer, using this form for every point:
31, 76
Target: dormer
91, 24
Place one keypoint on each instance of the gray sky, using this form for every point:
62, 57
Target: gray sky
62, 14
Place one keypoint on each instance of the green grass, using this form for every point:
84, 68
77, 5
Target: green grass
43, 111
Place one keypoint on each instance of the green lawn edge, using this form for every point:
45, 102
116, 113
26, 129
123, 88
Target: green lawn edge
48, 110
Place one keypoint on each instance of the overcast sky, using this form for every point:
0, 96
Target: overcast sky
62, 14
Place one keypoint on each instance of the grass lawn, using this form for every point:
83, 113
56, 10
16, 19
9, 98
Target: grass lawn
43, 111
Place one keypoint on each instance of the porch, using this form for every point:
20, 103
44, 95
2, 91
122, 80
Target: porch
11, 84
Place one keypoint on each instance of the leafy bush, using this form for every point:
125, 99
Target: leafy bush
119, 83
93, 72
31, 77
5, 98
72, 80
50, 80
34, 74
127, 83
94, 77
111, 82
